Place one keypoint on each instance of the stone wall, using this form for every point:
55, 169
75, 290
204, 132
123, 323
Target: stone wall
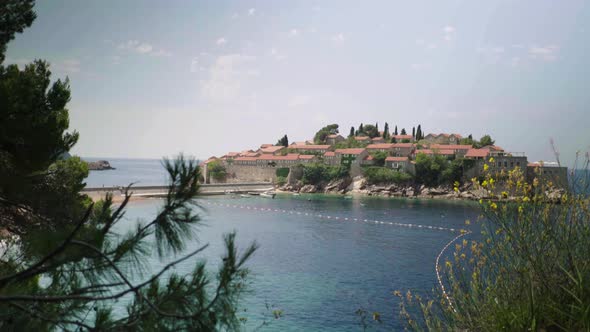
246, 173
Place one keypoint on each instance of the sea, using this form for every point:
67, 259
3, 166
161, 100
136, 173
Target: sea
321, 258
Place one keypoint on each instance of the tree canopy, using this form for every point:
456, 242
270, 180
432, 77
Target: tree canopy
63, 263
322, 134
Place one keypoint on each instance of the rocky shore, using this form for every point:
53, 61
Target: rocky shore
100, 165
359, 185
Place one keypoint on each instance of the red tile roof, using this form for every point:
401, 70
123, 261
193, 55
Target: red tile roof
477, 153
377, 139
380, 146
232, 154
290, 156
439, 152
396, 159
450, 146
251, 154
403, 137
492, 148
310, 147
329, 154
369, 157
272, 149
265, 145
246, 159
361, 138
403, 145
306, 156
334, 135
350, 151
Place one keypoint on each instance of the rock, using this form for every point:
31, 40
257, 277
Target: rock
308, 189
100, 165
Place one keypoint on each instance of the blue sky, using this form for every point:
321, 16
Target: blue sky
154, 78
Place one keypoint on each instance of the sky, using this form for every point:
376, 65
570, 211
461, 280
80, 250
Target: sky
156, 78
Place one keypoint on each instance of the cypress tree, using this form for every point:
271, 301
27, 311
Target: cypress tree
361, 130
414, 132
351, 132
395, 131
386, 131
419, 133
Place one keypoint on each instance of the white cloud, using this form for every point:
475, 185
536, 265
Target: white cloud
226, 77
221, 41
293, 32
300, 100
546, 53
449, 32
251, 11
143, 48
339, 38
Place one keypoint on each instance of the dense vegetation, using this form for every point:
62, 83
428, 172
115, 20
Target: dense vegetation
320, 173
529, 271
217, 170
62, 265
381, 175
435, 170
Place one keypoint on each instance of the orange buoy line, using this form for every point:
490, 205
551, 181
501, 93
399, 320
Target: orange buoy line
436, 268
323, 216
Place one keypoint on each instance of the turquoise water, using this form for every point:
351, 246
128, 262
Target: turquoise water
320, 270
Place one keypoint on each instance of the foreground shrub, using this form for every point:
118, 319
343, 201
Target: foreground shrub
529, 272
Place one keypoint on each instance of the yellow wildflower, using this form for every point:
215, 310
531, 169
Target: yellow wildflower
491, 159
526, 199
484, 183
448, 264
467, 222
463, 256
486, 167
480, 201
493, 206
520, 209
504, 194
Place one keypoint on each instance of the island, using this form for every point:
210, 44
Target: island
99, 165
373, 162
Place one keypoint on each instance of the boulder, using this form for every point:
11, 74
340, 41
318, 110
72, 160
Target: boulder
308, 189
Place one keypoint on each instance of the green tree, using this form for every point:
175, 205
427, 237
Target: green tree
419, 133
371, 131
485, 141
468, 141
321, 136
404, 131
386, 131
351, 134
379, 157
414, 132
217, 170
429, 169
15, 16
395, 131
67, 259
361, 130
283, 141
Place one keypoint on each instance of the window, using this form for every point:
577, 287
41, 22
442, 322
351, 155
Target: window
512, 164
518, 163
505, 164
